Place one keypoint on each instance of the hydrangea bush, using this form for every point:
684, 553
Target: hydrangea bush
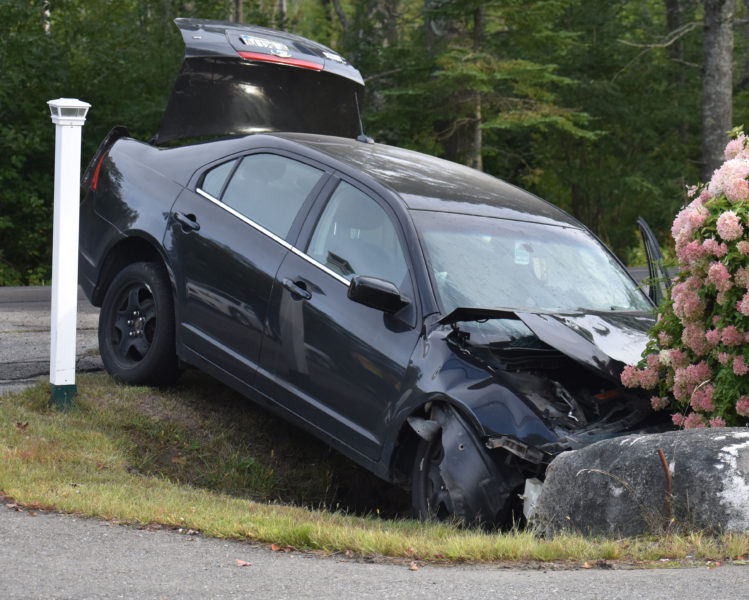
697, 359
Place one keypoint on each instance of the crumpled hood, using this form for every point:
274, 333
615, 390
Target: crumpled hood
601, 341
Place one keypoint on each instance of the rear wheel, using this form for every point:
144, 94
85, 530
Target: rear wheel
136, 326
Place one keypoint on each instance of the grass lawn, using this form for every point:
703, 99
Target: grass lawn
198, 456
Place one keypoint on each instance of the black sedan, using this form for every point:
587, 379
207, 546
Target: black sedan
446, 330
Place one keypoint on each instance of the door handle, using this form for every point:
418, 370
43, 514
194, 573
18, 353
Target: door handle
188, 222
296, 289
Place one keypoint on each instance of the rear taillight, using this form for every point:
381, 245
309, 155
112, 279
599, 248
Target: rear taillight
294, 62
95, 179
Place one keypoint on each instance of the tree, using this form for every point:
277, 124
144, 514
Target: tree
717, 82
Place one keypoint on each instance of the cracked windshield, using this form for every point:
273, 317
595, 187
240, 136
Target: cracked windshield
485, 262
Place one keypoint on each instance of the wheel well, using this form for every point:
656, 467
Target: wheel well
130, 250
404, 453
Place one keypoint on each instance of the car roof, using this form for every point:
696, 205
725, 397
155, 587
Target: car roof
425, 182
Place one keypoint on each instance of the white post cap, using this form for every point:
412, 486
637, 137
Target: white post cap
68, 111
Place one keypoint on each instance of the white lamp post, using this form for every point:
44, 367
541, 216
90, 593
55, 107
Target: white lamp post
68, 115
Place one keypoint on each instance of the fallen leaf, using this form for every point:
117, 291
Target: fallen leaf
410, 551
242, 563
31, 514
22, 426
349, 554
413, 566
191, 532
275, 547
586, 565
12, 506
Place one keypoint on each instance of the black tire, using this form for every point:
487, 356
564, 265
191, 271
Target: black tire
430, 499
136, 326
466, 486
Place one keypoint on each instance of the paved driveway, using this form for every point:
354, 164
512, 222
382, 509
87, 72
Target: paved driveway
24, 336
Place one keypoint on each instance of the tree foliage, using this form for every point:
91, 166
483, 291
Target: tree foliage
595, 106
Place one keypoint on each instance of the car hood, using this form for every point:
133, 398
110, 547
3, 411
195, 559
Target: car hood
601, 341
239, 79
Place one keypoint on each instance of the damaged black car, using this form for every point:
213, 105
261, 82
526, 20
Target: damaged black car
448, 331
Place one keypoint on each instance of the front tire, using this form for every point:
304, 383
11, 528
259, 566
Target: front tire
455, 479
137, 326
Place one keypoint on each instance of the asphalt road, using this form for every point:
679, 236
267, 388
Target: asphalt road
57, 556
61, 556
25, 339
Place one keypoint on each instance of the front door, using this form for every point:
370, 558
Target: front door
338, 364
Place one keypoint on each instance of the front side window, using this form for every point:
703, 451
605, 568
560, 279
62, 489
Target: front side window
355, 236
269, 190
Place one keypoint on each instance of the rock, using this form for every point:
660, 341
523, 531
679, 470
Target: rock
618, 486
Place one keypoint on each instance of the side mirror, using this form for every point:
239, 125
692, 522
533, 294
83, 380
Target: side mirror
376, 293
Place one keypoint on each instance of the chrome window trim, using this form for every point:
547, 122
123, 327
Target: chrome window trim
273, 236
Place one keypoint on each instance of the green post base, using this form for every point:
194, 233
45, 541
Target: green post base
62, 396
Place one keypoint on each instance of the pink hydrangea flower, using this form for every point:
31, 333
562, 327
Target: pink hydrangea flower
658, 403
713, 336
717, 422
648, 377
691, 252
694, 421
679, 358
687, 303
693, 337
724, 358
729, 226
689, 219
730, 179
664, 339
630, 377
742, 305
743, 247
702, 398
741, 276
731, 336
719, 276
677, 419
712, 247
739, 367
742, 406
736, 147
688, 378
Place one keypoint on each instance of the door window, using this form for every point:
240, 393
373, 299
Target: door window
355, 236
269, 190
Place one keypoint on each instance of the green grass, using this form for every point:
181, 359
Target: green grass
200, 457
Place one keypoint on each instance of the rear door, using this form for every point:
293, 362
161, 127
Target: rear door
338, 364
226, 240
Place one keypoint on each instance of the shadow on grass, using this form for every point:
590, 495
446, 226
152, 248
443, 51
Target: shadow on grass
202, 433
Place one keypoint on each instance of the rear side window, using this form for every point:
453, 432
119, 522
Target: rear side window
214, 180
269, 190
